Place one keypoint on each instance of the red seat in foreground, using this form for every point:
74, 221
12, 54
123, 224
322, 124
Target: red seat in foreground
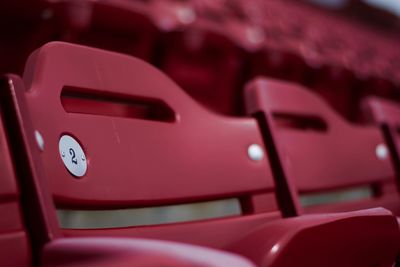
40, 243
117, 141
335, 166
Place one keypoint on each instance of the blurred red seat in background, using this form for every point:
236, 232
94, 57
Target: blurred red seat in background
322, 153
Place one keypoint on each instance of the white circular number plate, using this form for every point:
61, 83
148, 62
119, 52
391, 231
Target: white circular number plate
72, 155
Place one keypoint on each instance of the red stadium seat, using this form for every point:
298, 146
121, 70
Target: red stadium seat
386, 113
45, 246
14, 240
114, 134
335, 166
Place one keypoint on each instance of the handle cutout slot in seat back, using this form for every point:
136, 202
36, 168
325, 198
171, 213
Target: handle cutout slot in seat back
300, 122
81, 101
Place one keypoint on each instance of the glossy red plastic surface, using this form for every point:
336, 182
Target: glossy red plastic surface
307, 240
136, 153
14, 242
123, 252
317, 149
40, 213
322, 236
386, 113
87, 74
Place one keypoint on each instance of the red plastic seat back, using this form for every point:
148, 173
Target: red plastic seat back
316, 148
386, 113
146, 142
46, 243
74, 81
14, 242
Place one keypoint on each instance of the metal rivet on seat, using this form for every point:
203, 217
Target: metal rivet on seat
255, 152
381, 152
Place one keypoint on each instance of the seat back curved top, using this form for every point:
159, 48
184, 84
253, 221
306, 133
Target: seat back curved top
317, 149
135, 161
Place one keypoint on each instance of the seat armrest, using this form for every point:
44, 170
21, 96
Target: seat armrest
359, 238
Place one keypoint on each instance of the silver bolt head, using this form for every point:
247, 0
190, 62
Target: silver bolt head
255, 152
382, 152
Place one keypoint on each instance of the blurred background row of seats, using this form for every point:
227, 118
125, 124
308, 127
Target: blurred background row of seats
343, 50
